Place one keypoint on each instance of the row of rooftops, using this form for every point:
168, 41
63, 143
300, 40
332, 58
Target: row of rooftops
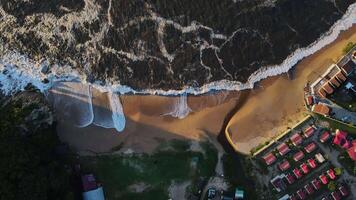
333, 77
314, 185
296, 140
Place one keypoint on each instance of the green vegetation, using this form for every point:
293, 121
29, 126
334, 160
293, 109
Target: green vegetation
332, 186
348, 47
29, 167
156, 171
347, 163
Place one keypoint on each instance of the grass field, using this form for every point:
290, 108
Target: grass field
157, 171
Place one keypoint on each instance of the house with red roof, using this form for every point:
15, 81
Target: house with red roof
278, 183
269, 158
304, 168
309, 131
283, 149
301, 194
316, 184
331, 174
325, 136
296, 139
298, 156
290, 178
352, 151
283, 166
293, 197
309, 189
297, 173
312, 163
309, 100
323, 179
336, 195
310, 147
343, 190
340, 139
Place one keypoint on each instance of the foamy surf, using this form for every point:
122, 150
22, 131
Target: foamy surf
180, 109
18, 71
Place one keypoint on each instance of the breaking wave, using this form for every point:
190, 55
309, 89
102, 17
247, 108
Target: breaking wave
17, 71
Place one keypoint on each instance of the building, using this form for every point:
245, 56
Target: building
269, 158
301, 194
327, 88
347, 66
239, 194
91, 189
309, 131
331, 174
310, 147
297, 173
296, 139
304, 168
343, 190
298, 156
325, 136
309, 100
278, 183
283, 166
316, 184
340, 139
352, 150
290, 178
309, 189
283, 149
336, 195
323, 179
320, 158
312, 163
321, 109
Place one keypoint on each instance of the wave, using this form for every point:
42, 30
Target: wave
18, 70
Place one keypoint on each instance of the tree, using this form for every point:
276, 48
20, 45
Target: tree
338, 171
29, 168
332, 186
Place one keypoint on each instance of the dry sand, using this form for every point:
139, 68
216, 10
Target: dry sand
277, 102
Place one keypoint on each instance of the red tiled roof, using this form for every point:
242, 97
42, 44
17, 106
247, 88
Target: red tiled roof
352, 150
336, 195
309, 188
269, 158
323, 179
309, 100
316, 184
347, 68
284, 165
344, 192
324, 137
334, 82
310, 147
322, 92
296, 139
304, 168
298, 156
312, 163
309, 131
331, 174
292, 197
283, 149
327, 87
321, 109
290, 178
297, 173
341, 77
301, 194
340, 139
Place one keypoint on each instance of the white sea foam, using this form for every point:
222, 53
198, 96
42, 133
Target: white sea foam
118, 116
27, 71
180, 109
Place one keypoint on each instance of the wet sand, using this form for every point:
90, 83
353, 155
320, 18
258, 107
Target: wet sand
277, 102
147, 126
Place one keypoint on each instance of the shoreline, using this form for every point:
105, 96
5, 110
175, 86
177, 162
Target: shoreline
30, 72
278, 103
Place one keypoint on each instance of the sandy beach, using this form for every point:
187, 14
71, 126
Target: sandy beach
275, 104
